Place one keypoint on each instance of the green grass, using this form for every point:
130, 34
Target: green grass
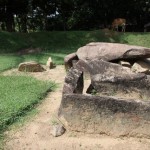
57, 44
18, 95
8, 61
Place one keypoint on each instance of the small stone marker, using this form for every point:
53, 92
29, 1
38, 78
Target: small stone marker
58, 130
31, 66
50, 63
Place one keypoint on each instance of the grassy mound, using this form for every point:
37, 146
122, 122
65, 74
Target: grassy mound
57, 44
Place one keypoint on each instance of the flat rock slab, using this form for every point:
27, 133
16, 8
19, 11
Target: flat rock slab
106, 115
30, 67
113, 79
111, 51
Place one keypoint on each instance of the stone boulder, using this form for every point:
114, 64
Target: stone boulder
105, 115
112, 51
112, 79
110, 115
30, 67
69, 60
58, 130
107, 52
141, 67
118, 103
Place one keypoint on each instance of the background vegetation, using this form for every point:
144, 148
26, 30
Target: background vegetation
57, 44
39, 15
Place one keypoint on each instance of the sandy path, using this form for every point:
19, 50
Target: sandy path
35, 135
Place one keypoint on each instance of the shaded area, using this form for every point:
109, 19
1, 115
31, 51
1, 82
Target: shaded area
66, 42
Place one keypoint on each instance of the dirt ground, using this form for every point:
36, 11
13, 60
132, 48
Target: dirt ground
35, 135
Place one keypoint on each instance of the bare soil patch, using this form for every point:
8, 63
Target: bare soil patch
35, 135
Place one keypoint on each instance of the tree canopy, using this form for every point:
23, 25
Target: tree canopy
33, 15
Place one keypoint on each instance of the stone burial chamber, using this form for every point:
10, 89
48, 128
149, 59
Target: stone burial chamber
118, 99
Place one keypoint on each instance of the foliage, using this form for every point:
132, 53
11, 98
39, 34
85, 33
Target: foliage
35, 15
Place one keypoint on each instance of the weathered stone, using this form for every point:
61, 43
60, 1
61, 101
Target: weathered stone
122, 104
69, 60
125, 64
106, 115
109, 79
30, 67
73, 82
58, 130
111, 51
141, 67
50, 63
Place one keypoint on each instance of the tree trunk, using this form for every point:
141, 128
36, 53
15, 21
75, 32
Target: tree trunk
10, 24
24, 23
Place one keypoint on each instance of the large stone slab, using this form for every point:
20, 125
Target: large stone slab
73, 82
121, 102
115, 80
111, 51
105, 115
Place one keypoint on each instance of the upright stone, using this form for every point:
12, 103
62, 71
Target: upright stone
50, 63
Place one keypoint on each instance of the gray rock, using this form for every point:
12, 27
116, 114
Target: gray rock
31, 66
73, 81
141, 67
69, 59
109, 78
106, 115
121, 104
58, 130
111, 51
